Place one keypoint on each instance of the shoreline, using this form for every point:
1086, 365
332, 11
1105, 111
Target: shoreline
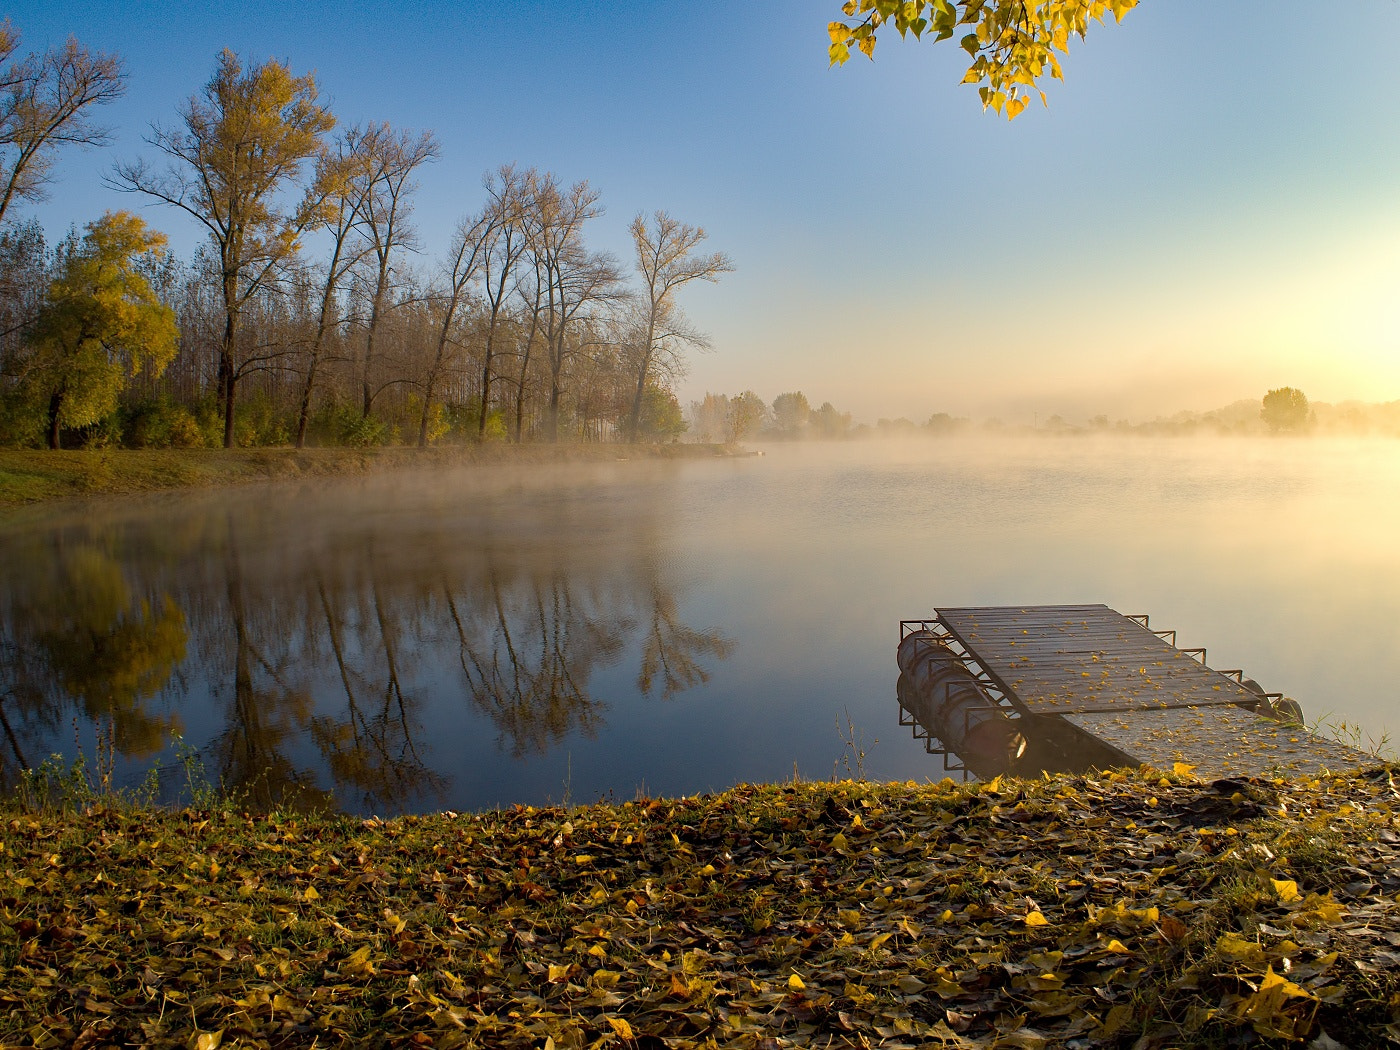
30, 476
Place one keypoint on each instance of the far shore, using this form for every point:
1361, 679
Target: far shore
30, 476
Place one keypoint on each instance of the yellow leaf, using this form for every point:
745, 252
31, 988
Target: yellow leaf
209, 1040
795, 983
1182, 769
583, 858
1036, 919
1115, 945
598, 951
1266, 1008
621, 1027
358, 962
1286, 889
558, 973
838, 841
848, 917
310, 894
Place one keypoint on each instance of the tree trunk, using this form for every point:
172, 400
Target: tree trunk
634, 421
227, 376
55, 407
305, 409
485, 384
427, 409
376, 308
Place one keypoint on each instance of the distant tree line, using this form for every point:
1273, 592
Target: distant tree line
309, 314
720, 417
1285, 410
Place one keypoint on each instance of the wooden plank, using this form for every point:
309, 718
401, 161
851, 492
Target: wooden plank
1068, 659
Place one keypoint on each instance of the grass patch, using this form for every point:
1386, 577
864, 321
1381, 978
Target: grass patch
34, 476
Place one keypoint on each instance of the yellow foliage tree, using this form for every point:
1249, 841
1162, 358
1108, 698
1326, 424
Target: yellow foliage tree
102, 324
1013, 43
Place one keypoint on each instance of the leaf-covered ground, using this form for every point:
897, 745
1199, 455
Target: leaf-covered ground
1132, 910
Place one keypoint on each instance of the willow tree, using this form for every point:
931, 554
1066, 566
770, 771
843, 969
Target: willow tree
46, 102
1013, 44
103, 323
236, 162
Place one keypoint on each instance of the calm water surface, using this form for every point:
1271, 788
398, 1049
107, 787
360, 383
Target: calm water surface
474, 639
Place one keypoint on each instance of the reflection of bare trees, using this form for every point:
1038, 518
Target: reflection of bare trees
370, 746
318, 659
328, 648
674, 651
530, 646
527, 658
265, 712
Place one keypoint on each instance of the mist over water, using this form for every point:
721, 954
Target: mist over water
471, 639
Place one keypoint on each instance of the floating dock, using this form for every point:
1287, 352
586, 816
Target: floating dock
1026, 689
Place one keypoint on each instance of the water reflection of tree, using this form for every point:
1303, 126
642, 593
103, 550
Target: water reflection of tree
287, 624
76, 641
530, 643
265, 711
371, 747
528, 651
674, 651
319, 635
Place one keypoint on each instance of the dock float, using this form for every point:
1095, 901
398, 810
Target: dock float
1064, 688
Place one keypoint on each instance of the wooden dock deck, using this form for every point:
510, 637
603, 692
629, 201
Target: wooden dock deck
1087, 669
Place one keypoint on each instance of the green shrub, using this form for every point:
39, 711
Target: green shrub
21, 422
257, 422
159, 422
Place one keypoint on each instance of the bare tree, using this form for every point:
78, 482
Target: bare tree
509, 192
45, 103
242, 141
573, 278
350, 160
469, 246
531, 290
666, 259
387, 210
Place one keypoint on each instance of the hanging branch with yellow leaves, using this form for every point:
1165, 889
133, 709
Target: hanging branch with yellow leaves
1013, 43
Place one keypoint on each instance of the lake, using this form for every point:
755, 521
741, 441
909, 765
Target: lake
476, 638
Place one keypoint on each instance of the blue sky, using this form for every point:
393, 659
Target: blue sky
1209, 207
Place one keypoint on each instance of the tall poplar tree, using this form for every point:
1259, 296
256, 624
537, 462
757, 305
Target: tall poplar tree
236, 156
